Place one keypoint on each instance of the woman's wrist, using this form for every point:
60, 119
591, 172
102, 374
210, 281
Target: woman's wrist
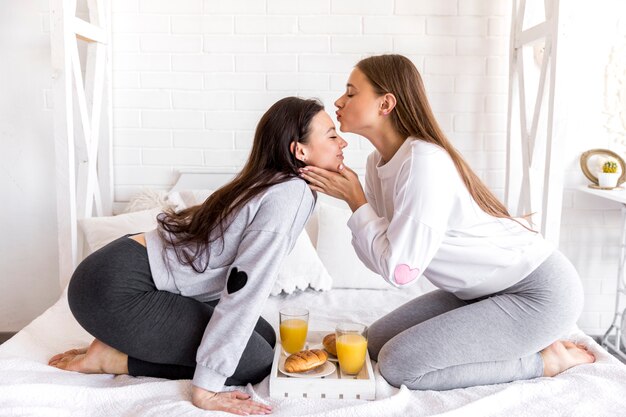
356, 203
205, 394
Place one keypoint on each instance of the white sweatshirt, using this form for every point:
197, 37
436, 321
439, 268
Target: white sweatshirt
420, 219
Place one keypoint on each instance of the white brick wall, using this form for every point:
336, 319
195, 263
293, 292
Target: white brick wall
193, 77
590, 226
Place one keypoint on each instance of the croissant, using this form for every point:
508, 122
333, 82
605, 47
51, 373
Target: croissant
330, 344
305, 360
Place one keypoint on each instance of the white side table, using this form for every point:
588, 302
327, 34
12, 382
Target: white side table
620, 295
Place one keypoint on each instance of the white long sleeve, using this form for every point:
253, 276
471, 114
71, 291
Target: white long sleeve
411, 237
420, 220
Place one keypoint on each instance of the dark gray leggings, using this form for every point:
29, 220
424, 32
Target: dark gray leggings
112, 295
440, 342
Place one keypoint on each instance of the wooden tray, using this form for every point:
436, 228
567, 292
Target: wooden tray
336, 385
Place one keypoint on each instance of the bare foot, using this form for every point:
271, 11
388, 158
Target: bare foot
98, 358
562, 355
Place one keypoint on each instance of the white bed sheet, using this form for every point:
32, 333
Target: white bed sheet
28, 387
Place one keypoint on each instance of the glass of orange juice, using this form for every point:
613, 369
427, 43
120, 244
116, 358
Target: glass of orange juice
351, 346
294, 325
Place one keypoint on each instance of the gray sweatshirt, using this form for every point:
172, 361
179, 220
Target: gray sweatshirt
241, 273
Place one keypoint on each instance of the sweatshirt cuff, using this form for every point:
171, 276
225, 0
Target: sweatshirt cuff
361, 217
208, 379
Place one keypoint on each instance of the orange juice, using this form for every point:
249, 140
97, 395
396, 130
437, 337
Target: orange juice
351, 350
293, 334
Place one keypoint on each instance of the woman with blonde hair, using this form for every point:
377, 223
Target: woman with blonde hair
505, 296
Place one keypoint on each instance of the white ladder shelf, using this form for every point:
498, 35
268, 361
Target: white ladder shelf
82, 121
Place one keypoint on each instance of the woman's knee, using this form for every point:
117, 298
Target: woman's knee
258, 350
394, 373
255, 363
265, 330
396, 368
375, 339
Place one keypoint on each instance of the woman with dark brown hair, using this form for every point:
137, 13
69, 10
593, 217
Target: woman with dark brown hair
505, 296
184, 300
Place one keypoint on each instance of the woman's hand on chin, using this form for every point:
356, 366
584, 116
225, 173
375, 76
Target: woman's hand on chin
235, 402
343, 184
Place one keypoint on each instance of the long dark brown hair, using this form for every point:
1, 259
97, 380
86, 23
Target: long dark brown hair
413, 116
191, 231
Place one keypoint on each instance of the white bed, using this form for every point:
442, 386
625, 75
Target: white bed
29, 387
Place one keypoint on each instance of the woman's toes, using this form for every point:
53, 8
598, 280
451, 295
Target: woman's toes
579, 355
74, 352
58, 364
71, 353
562, 355
57, 358
96, 359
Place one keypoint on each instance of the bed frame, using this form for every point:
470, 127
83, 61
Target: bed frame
82, 121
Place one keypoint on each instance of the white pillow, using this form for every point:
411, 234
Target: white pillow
334, 247
301, 268
146, 199
183, 199
98, 231
312, 225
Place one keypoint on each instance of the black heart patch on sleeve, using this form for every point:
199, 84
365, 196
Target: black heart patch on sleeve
236, 281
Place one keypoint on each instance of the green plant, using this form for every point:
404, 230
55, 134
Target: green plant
609, 167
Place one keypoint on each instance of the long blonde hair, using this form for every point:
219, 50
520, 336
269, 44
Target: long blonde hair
413, 116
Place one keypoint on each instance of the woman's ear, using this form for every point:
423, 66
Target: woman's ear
297, 150
388, 104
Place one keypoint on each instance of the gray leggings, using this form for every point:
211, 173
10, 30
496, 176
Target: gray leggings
440, 342
112, 295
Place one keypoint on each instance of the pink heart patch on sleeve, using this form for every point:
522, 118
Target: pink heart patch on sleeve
403, 274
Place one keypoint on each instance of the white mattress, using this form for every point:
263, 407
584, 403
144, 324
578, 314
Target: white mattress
28, 387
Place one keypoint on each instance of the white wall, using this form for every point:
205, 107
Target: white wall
28, 251
193, 77
591, 226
